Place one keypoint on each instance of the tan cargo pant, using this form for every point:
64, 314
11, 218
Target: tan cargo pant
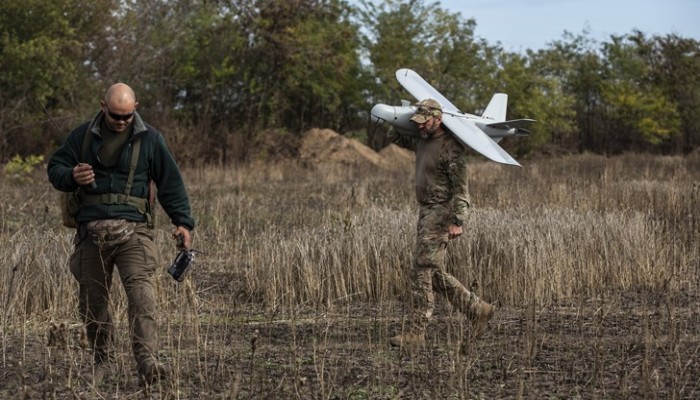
136, 261
428, 274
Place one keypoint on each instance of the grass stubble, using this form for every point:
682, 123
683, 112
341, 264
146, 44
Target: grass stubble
592, 261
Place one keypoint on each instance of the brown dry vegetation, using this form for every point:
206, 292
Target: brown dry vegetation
592, 261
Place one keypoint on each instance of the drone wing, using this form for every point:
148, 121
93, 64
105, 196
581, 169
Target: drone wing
465, 129
469, 134
420, 89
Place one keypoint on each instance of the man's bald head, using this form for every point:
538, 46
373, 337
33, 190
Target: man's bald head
120, 95
119, 105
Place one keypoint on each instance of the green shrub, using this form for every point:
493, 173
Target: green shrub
20, 170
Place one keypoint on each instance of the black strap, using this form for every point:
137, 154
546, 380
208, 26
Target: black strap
115, 198
135, 150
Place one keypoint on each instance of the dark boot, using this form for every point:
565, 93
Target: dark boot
479, 316
98, 373
152, 372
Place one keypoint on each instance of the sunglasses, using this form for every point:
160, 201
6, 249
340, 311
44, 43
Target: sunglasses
119, 117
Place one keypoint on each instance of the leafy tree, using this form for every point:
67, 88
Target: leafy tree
394, 38
437, 44
576, 66
535, 92
637, 110
247, 66
43, 48
464, 67
303, 63
675, 69
208, 79
227, 69
141, 47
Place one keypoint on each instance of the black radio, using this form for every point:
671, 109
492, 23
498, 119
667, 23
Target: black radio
182, 263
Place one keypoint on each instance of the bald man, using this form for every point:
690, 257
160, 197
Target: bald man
115, 222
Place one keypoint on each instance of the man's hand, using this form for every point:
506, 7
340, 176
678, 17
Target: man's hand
186, 239
83, 174
454, 231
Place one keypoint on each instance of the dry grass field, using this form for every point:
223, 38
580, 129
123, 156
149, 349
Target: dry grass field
594, 264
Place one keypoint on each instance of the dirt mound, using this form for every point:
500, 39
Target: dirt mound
275, 144
397, 157
324, 146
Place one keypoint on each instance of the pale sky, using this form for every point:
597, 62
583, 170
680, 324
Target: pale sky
522, 24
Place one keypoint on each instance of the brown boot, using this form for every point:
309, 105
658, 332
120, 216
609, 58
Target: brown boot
481, 314
408, 340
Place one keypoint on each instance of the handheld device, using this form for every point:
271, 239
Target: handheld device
183, 261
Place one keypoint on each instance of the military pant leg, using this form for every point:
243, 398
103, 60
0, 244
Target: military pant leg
422, 299
93, 271
431, 246
455, 292
137, 261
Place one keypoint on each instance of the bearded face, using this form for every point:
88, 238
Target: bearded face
429, 127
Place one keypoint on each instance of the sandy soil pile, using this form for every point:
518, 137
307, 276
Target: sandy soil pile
321, 147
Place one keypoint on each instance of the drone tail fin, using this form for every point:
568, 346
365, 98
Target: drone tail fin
496, 109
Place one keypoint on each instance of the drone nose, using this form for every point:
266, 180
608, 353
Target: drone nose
383, 113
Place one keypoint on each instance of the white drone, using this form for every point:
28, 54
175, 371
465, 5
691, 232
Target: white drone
481, 133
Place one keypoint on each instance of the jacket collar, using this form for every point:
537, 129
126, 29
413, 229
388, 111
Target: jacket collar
138, 125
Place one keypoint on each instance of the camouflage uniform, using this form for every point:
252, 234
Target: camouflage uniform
443, 199
442, 193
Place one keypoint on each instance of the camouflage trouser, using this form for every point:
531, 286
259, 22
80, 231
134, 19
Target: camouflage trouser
136, 260
428, 274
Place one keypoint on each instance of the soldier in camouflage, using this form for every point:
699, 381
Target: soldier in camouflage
443, 199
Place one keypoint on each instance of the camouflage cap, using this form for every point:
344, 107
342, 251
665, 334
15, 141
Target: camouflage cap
426, 109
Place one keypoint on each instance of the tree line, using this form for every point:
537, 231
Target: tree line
217, 76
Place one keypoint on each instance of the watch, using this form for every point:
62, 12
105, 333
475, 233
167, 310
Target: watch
456, 221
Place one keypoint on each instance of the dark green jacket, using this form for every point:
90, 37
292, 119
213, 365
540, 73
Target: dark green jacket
155, 162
